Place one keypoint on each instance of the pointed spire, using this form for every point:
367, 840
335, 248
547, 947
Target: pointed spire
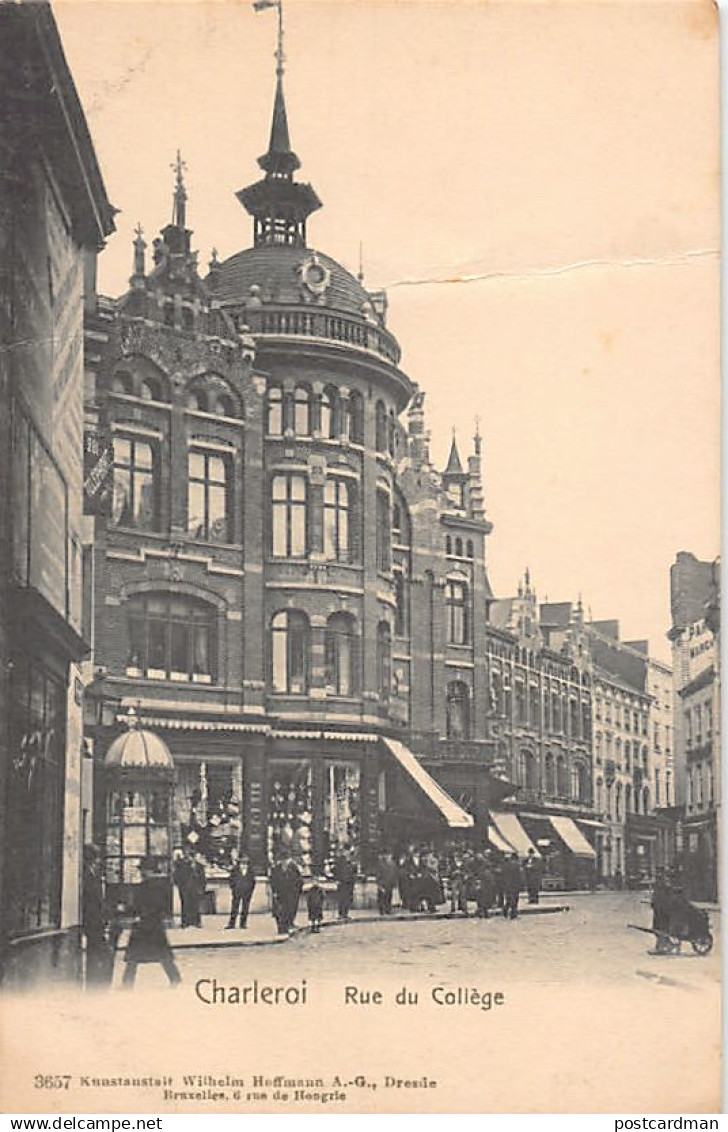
360, 273
477, 502
279, 205
454, 466
179, 200
477, 439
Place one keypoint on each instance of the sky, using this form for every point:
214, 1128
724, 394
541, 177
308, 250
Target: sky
535, 182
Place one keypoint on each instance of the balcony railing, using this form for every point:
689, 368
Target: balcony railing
322, 324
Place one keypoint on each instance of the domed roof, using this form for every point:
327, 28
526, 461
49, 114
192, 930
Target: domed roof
290, 275
138, 749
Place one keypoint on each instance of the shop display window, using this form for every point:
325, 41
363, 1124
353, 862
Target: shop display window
137, 827
290, 812
342, 810
35, 798
208, 809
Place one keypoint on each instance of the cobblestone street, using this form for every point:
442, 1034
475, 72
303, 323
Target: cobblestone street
590, 943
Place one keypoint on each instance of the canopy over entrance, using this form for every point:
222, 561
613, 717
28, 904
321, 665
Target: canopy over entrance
572, 836
512, 832
454, 815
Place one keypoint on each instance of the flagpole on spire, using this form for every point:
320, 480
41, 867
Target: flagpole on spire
260, 6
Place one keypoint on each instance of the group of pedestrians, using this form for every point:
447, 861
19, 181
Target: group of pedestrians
427, 878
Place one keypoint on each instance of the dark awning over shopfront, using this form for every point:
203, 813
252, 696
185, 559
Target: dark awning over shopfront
453, 814
572, 836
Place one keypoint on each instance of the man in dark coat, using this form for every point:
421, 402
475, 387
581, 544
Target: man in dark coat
189, 876
242, 884
345, 876
315, 897
386, 881
532, 876
292, 886
148, 941
512, 881
99, 955
277, 890
486, 885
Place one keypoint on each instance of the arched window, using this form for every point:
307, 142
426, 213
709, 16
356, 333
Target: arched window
384, 661
556, 711
628, 798
329, 413
289, 652
149, 390
172, 637
458, 548
549, 777
617, 802
458, 628
136, 497
337, 505
579, 782
289, 537
356, 418
520, 702
197, 400
225, 406
208, 510
274, 411
562, 780
121, 382
448, 545
527, 769
470, 548
302, 410
599, 795
646, 797
391, 432
457, 710
627, 756
341, 679
381, 427
384, 533
400, 610
534, 706
575, 718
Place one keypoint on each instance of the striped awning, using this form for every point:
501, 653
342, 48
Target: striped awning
497, 841
512, 832
455, 816
572, 836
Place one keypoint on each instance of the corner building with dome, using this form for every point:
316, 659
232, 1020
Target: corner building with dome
289, 602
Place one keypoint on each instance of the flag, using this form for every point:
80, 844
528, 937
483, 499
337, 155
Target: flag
260, 5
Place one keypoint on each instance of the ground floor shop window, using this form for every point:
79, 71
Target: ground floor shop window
290, 812
208, 808
342, 813
35, 798
137, 827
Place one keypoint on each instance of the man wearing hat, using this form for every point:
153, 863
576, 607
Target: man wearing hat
148, 941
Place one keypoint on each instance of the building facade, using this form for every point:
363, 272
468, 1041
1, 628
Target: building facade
54, 218
695, 637
285, 591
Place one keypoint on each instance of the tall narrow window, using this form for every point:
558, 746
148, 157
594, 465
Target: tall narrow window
329, 413
340, 655
274, 411
400, 609
337, 516
549, 776
289, 652
207, 497
384, 533
381, 427
356, 418
384, 661
458, 710
135, 488
302, 411
456, 596
289, 510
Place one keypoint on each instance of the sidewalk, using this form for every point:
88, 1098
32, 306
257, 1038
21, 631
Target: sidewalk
262, 932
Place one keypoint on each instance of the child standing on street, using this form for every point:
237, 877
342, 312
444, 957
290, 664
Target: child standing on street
315, 905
